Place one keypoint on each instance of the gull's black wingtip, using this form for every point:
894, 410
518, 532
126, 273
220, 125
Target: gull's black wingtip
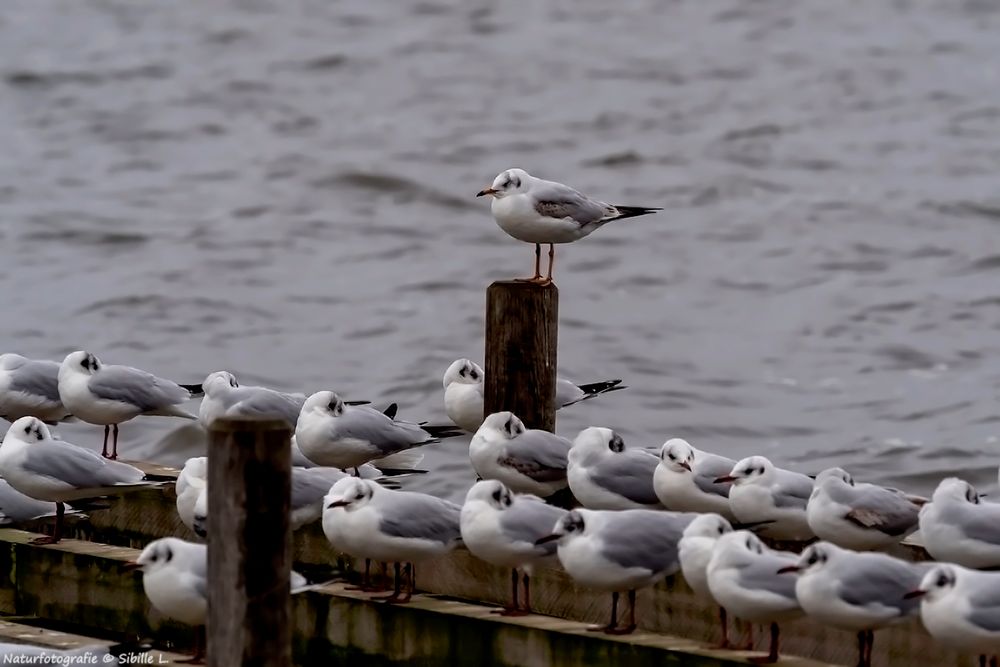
443, 430
194, 389
634, 211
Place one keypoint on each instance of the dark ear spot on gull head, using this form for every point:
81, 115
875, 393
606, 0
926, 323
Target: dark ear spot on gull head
616, 444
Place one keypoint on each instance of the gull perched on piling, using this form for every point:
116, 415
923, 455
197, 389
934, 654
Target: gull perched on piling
537, 211
771, 496
56, 471
604, 475
618, 552
30, 388
685, 479
857, 515
110, 395
526, 460
502, 528
464, 387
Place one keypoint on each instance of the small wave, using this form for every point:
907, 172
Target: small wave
387, 184
36, 79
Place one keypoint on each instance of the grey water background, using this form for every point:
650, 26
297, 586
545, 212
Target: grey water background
285, 189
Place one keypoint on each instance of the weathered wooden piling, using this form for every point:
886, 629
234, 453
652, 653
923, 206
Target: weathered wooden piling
522, 332
249, 544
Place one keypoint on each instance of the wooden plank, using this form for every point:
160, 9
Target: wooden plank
522, 327
249, 544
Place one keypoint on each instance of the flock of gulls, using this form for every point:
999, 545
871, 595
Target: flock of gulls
763, 543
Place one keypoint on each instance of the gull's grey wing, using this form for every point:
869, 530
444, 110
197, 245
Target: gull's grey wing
708, 468
555, 200
629, 474
309, 485
792, 490
538, 454
881, 509
979, 522
15, 506
984, 602
567, 392
370, 425
37, 377
78, 467
139, 388
644, 538
419, 516
530, 520
264, 402
877, 579
760, 573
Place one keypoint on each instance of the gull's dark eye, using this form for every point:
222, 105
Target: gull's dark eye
812, 559
170, 554
517, 182
672, 457
760, 470
462, 372
721, 529
942, 580
507, 426
496, 495
473, 374
153, 557
616, 444
27, 429
506, 184
85, 363
749, 544
332, 405
360, 495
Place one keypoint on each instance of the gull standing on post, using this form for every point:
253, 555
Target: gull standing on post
110, 395
463, 393
537, 211
957, 526
365, 520
56, 471
696, 548
604, 475
501, 528
526, 460
774, 497
619, 552
859, 516
685, 479
332, 433
961, 608
30, 388
855, 590
743, 576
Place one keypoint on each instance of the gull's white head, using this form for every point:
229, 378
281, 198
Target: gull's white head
953, 488
29, 430
219, 381
504, 424
80, 362
569, 526
160, 554
509, 182
597, 440
735, 548
751, 470
708, 525
677, 455
195, 467
350, 493
814, 558
493, 493
463, 371
836, 476
939, 581
324, 402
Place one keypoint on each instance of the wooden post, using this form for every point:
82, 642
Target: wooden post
249, 544
522, 330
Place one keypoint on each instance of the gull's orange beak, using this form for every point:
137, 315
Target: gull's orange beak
686, 465
789, 568
724, 479
914, 594
132, 565
487, 191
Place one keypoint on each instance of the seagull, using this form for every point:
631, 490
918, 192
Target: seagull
537, 211
604, 475
526, 460
619, 551
684, 480
859, 516
960, 608
191, 482
365, 520
857, 591
743, 577
110, 395
175, 578
771, 496
463, 393
501, 528
30, 388
39, 466
332, 433
15, 507
696, 546
957, 526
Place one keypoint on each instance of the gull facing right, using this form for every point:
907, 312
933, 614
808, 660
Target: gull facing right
537, 211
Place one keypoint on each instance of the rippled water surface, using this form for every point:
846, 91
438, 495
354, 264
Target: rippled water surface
285, 189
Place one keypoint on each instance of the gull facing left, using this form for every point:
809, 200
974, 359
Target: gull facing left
110, 395
537, 211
